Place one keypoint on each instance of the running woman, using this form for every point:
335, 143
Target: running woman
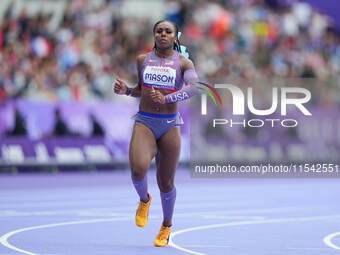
161, 75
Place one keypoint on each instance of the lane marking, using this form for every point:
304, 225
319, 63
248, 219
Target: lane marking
111, 212
307, 248
207, 246
239, 223
122, 210
56, 203
81, 212
4, 238
328, 240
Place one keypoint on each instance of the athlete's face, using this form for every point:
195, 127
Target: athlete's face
165, 35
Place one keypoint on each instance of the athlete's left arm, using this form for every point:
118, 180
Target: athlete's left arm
190, 79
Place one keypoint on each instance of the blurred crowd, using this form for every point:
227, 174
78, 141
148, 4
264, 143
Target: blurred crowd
228, 38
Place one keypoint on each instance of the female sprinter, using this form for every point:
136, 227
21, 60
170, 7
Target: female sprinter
161, 75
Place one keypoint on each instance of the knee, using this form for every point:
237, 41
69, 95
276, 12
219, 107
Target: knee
138, 171
166, 186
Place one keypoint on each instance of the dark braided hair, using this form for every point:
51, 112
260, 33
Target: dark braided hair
177, 45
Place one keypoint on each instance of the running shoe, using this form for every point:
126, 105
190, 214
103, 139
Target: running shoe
162, 238
143, 212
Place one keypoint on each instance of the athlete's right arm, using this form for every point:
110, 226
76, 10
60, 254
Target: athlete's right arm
122, 88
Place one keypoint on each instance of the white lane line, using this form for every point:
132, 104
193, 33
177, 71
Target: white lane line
328, 240
53, 204
111, 212
122, 210
238, 223
207, 246
4, 238
307, 248
82, 212
124, 207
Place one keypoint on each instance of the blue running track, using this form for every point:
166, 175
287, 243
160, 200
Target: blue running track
93, 214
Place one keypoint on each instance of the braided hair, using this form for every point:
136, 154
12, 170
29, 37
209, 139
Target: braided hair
177, 45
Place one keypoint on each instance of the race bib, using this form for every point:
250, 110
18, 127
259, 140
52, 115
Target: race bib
160, 77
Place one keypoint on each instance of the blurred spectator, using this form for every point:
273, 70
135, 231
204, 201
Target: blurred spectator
97, 129
61, 128
77, 58
2, 93
19, 125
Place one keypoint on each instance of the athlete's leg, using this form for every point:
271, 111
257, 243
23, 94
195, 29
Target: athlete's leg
142, 149
169, 147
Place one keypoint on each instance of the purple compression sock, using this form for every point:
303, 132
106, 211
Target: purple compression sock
141, 188
168, 204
